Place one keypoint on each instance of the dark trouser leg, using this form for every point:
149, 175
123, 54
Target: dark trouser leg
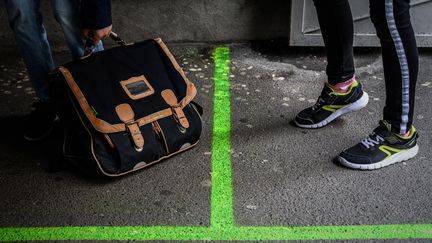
336, 24
400, 58
25, 20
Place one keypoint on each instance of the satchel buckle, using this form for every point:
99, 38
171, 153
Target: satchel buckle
126, 115
135, 132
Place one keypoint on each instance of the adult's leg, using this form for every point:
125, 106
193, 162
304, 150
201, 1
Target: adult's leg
25, 20
336, 23
67, 15
400, 58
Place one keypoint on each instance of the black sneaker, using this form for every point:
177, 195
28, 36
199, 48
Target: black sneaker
380, 149
40, 123
331, 105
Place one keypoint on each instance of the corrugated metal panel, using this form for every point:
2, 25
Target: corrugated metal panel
305, 29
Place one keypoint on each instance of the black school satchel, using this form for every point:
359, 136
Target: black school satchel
125, 108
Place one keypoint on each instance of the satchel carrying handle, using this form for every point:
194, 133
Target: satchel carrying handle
89, 44
117, 39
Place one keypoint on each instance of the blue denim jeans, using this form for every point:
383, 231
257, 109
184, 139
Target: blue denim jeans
25, 20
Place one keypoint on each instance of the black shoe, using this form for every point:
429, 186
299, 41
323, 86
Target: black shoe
331, 105
40, 123
380, 149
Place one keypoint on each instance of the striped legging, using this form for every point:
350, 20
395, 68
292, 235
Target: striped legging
399, 52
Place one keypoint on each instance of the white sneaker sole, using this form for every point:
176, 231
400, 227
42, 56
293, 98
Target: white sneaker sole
395, 158
358, 105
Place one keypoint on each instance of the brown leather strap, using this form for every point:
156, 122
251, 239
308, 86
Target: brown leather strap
178, 113
180, 116
126, 115
154, 117
136, 135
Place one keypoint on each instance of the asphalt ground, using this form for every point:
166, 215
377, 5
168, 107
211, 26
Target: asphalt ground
282, 175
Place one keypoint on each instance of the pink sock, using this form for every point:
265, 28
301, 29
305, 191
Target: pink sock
406, 135
344, 86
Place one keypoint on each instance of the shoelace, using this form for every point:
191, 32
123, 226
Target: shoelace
319, 103
371, 142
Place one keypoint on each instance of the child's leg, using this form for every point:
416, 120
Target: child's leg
342, 94
336, 25
395, 139
400, 57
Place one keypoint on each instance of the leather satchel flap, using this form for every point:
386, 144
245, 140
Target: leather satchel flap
170, 97
125, 113
135, 75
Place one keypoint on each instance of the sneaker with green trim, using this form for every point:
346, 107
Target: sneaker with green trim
331, 105
381, 148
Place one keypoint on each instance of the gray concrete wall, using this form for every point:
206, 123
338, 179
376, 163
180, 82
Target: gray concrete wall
183, 20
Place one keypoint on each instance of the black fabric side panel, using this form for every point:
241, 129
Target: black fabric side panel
78, 142
98, 148
198, 107
107, 157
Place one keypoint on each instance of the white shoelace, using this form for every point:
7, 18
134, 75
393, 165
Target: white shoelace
371, 142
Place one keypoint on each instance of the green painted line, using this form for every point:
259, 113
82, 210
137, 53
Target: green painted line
222, 215
361, 232
222, 225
